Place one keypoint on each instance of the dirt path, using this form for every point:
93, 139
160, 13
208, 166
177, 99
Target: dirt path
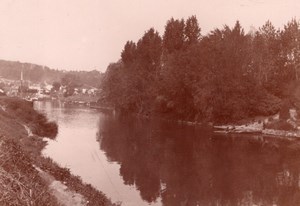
63, 195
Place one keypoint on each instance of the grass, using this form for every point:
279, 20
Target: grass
20, 183
94, 196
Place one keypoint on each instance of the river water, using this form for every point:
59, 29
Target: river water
149, 162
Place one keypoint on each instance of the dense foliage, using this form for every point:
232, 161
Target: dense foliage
223, 76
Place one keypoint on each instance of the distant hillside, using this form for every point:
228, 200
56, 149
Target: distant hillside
37, 73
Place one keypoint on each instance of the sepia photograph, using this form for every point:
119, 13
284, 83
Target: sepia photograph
149, 103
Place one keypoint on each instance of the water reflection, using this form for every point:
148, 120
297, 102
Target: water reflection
76, 147
184, 165
141, 162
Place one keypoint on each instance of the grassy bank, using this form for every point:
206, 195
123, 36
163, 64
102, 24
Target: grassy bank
20, 183
21, 129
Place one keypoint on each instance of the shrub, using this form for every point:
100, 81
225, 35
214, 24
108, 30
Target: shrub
266, 104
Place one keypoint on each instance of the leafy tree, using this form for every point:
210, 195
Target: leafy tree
290, 38
224, 76
112, 84
192, 30
143, 73
129, 53
173, 39
265, 63
149, 49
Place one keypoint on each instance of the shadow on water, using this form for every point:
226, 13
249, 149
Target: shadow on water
185, 165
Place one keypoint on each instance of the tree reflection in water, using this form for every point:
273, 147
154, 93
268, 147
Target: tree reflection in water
186, 165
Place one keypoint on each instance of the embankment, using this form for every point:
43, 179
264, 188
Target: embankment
27, 178
268, 126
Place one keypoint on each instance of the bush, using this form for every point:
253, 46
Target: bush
47, 129
265, 104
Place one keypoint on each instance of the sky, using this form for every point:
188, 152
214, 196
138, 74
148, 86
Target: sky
90, 34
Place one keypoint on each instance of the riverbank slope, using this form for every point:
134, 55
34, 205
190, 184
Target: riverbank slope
27, 178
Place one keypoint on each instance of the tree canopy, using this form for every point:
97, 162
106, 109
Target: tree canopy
223, 76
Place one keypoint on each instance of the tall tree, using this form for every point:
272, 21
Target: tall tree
265, 61
173, 39
149, 49
112, 84
129, 53
291, 47
223, 76
192, 30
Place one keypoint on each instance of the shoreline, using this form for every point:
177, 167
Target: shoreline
32, 144
234, 128
24, 128
255, 128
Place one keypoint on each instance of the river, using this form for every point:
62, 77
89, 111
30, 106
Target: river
149, 162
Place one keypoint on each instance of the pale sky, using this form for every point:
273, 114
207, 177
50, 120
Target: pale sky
90, 34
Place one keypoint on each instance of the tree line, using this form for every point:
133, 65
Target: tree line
223, 76
37, 74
